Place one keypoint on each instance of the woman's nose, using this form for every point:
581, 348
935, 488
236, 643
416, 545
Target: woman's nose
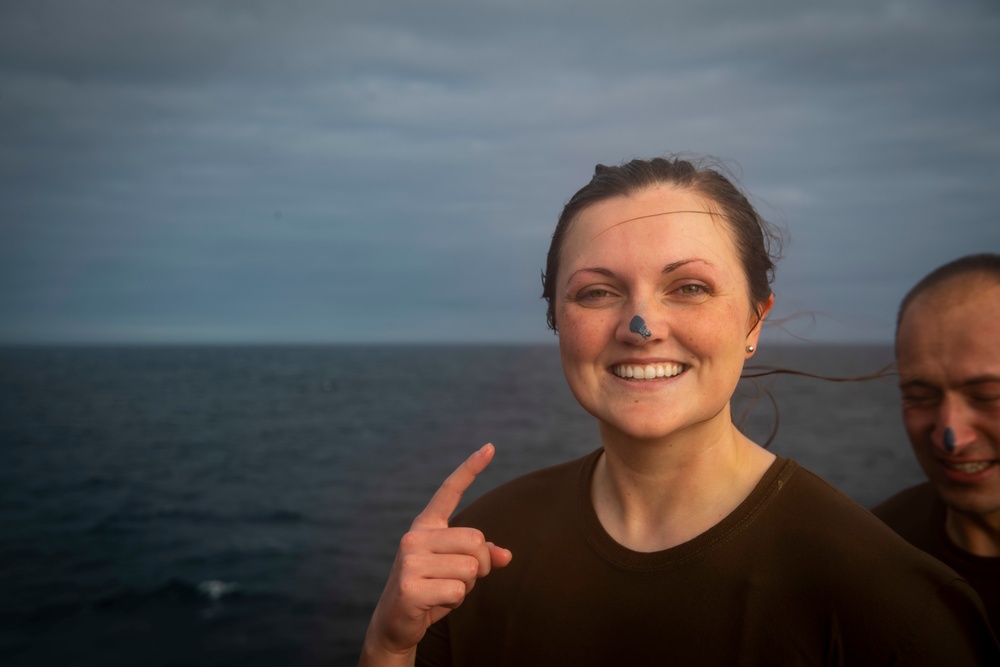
637, 325
630, 329
636, 328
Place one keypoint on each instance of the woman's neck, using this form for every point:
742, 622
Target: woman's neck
653, 495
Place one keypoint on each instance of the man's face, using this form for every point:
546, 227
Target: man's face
948, 354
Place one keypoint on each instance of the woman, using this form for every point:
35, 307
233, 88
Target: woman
680, 541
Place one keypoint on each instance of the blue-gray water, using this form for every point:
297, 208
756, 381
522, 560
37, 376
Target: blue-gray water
241, 505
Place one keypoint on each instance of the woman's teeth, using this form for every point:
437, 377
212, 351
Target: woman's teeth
648, 371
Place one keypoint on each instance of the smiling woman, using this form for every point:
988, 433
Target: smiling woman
661, 252
679, 541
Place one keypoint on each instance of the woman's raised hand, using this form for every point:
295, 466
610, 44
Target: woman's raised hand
435, 568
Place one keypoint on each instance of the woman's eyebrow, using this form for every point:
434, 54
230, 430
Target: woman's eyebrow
592, 269
673, 266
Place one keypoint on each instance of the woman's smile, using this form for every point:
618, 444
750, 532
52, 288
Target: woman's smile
648, 371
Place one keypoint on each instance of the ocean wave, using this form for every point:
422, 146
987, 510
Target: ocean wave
174, 591
215, 590
175, 594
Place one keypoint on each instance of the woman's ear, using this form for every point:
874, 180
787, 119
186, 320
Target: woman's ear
759, 316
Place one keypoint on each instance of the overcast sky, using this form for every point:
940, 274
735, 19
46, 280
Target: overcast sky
341, 171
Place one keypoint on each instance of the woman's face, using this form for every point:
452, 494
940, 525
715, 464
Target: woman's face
661, 255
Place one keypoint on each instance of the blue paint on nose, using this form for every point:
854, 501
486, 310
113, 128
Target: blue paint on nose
638, 326
949, 440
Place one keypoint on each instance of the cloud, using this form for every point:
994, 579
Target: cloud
293, 171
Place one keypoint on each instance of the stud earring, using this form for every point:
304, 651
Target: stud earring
750, 348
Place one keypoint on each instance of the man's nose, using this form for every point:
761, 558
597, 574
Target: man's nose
953, 431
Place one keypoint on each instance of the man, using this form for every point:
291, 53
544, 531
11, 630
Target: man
948, 355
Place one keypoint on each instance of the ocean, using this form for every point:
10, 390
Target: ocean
214, 505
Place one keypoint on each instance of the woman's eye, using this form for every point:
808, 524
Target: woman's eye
693, 290
593, 294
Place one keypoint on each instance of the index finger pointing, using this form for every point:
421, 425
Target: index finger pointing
446, 498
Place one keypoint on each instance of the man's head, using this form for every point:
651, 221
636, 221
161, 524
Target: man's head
948, 354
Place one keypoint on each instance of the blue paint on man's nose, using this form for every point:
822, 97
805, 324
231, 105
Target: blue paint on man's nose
949, 440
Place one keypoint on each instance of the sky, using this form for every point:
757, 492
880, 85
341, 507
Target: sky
310, 171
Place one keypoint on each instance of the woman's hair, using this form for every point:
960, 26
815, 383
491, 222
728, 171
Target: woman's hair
757, 243
985, 264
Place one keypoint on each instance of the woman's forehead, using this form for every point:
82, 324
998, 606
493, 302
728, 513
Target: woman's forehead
654, 223
658, 202
650, 216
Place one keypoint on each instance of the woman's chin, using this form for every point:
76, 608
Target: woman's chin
653, 427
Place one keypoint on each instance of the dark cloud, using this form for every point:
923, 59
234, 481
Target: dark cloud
392, 171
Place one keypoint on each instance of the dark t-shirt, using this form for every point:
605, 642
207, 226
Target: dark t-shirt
918, 514
798, 574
